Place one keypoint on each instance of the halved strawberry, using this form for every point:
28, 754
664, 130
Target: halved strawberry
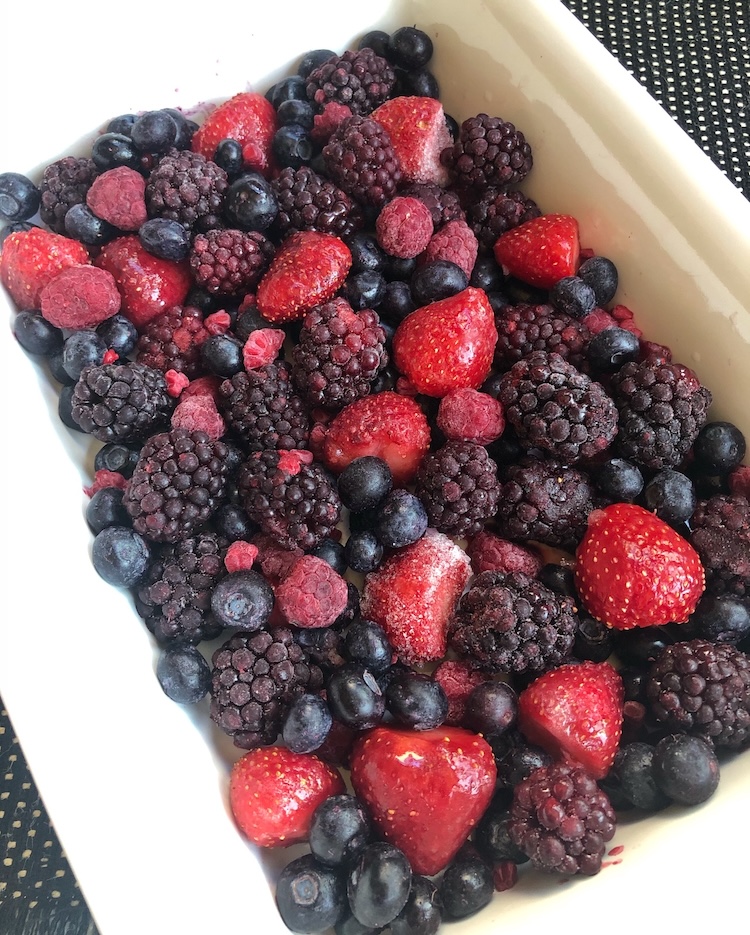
575, 712
540, 251
633, 570
248, 118
419, 133
32, 259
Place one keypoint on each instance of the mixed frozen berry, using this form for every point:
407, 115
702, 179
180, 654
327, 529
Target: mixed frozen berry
395, 484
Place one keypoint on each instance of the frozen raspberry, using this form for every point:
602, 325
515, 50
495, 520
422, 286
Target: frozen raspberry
207, 385
199, 414
458, 679
324, 124
471, 416
454, 242
313, 594
104, 478
739, 482
275, 561
176, 382
80, 297
262, 347
119, 197
218, 322
240, 556
404, 227
489, 552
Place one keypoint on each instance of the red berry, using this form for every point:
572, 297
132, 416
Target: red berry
119, 197
404, 227
419, 133
470, 416
80, 297
248, 118
198, 413
240, 556
489, 552
458, 679
455, 242
541, 250
313, 594
262, 347
31, 259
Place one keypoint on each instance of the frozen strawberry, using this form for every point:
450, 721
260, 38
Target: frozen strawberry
248, 118
541, 250
419, 133
80, 297
387, 426
148, 284
31, 259
633, 570
307, 270
274, 792
413, 594
574, 712
425, 790
447, 345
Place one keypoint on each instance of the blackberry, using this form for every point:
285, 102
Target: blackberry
172, 340
263, 410
721, 536
255, 678
510, 622
121, 402
65, 183
294, 502
562, 820
230, 262
494, 212
546, 501
177, 484
175, 597
558, 409
444, 205
339, 354
662, 409
523, 329
307, 201
702, 689
360, 159
459, 488
361, 80
188, 188
489, 152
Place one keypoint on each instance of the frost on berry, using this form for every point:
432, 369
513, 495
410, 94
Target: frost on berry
404, 227
469, 415
199, 414
240, 556
313, 594
118, 196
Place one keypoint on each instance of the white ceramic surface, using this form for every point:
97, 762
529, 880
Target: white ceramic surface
135, 784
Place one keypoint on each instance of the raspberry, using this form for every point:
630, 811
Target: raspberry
496, 212
199, 414
458, 679
64, 184
275, 561
172, 341
360, 158
489, 152
230, 261
454, 243
307, 201
240, 556
187, 187
739, 481
404, 227
312, 595
522, 329
80, 297
444, 205
104, 478
360, 80
489, 552
262, 347
468, 415
721, 536
118, 196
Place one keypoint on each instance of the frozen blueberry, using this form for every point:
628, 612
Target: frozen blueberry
296, 112
487, 274
397, 302
105, 509
228, 156
250, 204
611, 349
291, 88
119, 334
307, 723
402, 519
421, 915
721, 619
671, 495
340, 830
409, 48
165, 238
399, 268
82, 349
377, 40
120, 556
36, 335
601, 275
719, 448
416, 701
292, 146
366, 643
82, 224
558, 578
364, 290
492, 839
312, 60
466, 887
243, 599
367, 254
183, 673
633, 771
122, 124
619, 480
364, 483
686, 769
593, 640
355, 698
437, 280
155, 131
418, 83
19, 197
111, 150
573, 296
310, 896
185, 128
117, 457
378, 884
363, 551
492, 708
250, 320
222, 354
332, 552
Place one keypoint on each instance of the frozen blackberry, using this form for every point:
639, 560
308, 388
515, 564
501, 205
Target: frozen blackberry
444, 205
489, 152
121, 402
459, 488
307, 201
556, 408
172, 341
702, 689
230, 262
721, 536
360, 159
496, 212
293, 501
175, 597
523, 329
255, 678
177, 484
662, 409
360, 80
188, 188
339, 354
562, 820
262, 408
510, 622
65, 183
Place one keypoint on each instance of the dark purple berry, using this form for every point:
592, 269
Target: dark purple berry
311, 60
111, 150
183, 673
117, 457
378, 884
164, 238
671, 495
292, 146
437, 280
421, 915
364, 290
355, 698
719, 448
243, 599
367, 644
601, 275
250, 204
228, 156
222, 354
363, 551
365, 483
611, 349
492, 708
105, 509
686, 769
154, 132
36, 335
339, 831
466, 887
619, 480
82, 349
119, 334
120, 556
310, 896
416, 701
409, 48
19, 197
402, 519
721, 619
307, 723
377, 40
593, 640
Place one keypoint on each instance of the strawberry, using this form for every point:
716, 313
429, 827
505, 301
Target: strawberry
248, 118
274, 792
32, 259
541, 251
148, 285
419, 133
386, 425
447, 345
425, 790
308, 269
412, 595
575, 712
633, 570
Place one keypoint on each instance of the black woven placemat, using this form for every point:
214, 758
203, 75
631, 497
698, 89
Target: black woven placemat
693, 56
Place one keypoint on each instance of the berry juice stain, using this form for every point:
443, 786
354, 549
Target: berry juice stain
614, 851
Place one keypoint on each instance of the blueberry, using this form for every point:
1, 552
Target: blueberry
296, 112
453, 126
155, 131
366, 643
292, 146
721, 619
120, 556
364, 290
491, 708
232, 523
719, 448
243, 599
409, 48
57, 370
593, 640
377, 40
323, 645
633, 771
601, 275
111, 150
119, 334
105, 509
355, 697
641, 646
123, 124
165, 238
397, 302
367, 254
487, 274
312, 60
339, 831
364, 483
671, 495
492, 839
558, 578
15, 228
402, 519
82, 224
437, 280
421, 915
332, 552
117, 457
611, 349
310, 896
498, 301
573, 296
351, 926
36, 335
399, 268
222, 354
183, 674
19, 197
307, 723
185, 128
378, 884
466, 887
250, 320
363, 551
82, 349
250, 204
416, 701
619, 480
228, 156
291, 88
418, 83
686, 769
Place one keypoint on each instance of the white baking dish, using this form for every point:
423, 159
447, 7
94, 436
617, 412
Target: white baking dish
135, 784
